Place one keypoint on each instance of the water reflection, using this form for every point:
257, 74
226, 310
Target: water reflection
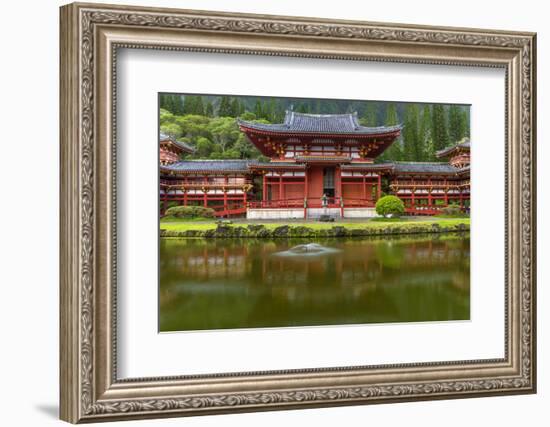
228, 283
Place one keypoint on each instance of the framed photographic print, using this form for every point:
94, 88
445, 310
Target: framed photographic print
266, 212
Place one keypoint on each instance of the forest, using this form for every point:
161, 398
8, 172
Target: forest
209, 123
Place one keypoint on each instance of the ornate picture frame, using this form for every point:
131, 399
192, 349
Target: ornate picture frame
90, 37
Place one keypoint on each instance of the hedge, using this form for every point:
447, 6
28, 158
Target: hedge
190, 212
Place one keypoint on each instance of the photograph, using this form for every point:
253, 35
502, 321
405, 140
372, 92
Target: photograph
293, 212
263, 210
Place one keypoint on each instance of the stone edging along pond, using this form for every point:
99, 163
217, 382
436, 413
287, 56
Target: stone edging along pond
261, 231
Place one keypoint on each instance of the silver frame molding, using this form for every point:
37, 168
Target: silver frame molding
90, 37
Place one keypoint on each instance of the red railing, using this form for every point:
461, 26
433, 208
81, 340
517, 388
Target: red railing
229, 210
277, 204
423, 210
330, 202
180, 185
359, 203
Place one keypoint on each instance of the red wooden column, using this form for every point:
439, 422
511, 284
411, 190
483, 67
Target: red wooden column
226, 181
338, 179
244, 197
264, 187
364, 187
429, 193
445, 189
185, 197
205, 197
280, 186
379, 187
338, 192
306, 190
306, 184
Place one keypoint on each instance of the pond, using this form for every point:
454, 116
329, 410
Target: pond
254, 283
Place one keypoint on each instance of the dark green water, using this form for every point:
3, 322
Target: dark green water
227, 283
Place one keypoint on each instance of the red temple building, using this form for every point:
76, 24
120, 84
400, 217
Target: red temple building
319, 164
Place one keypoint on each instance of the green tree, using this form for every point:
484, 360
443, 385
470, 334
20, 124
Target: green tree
224, 131
199, 106
394, 152
245, 149
171, 129
204, 147
440, 135
302, 108
193, 125
465, 121
258, 110
412, 145
165, 116
248, 116
193, 105
429, 151
209, 109
172, 103
225, 109
272, 111
390, 206
235, 107
370, 116
457, 124
424, 133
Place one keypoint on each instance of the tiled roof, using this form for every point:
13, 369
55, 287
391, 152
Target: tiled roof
259, 165
367, 166
243, 166
409, 167
424, 167
320, 124
343, 159
209, 166
184, 146
448, 150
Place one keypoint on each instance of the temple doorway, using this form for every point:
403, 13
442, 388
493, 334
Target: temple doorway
328, 182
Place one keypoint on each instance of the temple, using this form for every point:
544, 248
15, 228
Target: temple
319, 164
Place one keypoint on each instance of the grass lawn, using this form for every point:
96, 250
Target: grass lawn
183, 225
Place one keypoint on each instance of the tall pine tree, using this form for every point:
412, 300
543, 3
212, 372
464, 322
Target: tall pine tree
412, 147
369, 118
465, 121
177, 101
457, 128
424, 134
209, 109
394, 152
225, 109
235, 107
440, 135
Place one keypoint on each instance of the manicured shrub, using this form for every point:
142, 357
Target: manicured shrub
452, 210
390, 206
190, 212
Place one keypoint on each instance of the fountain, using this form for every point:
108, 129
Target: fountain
308, 249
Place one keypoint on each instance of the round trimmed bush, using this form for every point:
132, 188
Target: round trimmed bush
390, 206
190, 212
